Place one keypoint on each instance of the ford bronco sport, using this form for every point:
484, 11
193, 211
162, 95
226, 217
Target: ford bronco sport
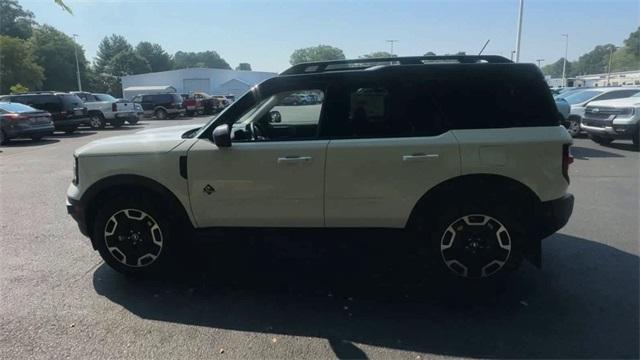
464, 152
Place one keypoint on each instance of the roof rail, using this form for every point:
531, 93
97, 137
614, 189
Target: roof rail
360, 64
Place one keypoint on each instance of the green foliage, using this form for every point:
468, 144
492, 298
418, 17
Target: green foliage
128, 62
108, 48
377, 54
208, 59
64, 6
18, 64
18, 89
594, 62
316, 53
55, 51
430, 53
555, 69
243, 67
157, 58
14, 20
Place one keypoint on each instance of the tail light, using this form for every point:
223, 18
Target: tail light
14, 117
114, 107
567, 159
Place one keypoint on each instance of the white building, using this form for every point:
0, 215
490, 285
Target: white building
623, 78
211, 81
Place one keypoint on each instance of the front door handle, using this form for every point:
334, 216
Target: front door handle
419, 157
294, 159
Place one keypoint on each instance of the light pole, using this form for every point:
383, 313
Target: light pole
391, 44
75, 50
519, 30
512, 53
539, 62
564, 63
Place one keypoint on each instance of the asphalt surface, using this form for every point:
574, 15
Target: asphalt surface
303, 299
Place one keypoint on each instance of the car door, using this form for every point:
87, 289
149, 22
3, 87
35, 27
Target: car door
147, 104
389, 145
269, 181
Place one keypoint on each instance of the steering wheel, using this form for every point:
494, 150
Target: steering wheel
256, 132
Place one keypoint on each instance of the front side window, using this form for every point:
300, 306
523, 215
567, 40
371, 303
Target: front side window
582, 96
278, 118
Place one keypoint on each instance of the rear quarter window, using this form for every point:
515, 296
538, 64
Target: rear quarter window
71, 101
502, 98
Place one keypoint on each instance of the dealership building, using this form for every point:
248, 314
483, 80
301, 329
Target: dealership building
211, 81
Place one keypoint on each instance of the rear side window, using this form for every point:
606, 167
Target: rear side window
495, 99
175, 98
71, 101
49, 103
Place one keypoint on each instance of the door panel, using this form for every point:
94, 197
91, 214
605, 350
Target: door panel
377, 182
275, 184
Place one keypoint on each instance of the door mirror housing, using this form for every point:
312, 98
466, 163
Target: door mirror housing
275, 116
221, 135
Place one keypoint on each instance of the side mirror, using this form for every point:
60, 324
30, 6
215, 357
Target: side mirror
221, 135
275, 117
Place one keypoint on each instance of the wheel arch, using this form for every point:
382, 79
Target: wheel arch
475, 185
134, 184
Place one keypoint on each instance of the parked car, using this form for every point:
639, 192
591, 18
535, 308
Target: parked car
105, 109
191, 105
476, 187
608, 120
18, 120
67, 110
161, 106
580, 99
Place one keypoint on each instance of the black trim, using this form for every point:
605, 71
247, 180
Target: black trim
183, 167
553, 215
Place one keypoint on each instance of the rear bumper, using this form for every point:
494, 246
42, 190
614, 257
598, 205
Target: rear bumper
16, 132
553, 215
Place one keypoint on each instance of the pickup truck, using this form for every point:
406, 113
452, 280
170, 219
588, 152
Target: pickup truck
201, 103
104, 109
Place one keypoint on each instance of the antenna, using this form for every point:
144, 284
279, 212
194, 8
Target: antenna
485, 45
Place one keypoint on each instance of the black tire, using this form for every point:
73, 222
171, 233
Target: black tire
36, 138
70, 129
602, 140
160, 114
636, 141
3, 138
96, 121
462, 240
133, 235
173, 116
573, 126
133, 121
117, 123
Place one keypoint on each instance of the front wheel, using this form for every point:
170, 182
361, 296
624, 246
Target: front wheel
132, 236
573, 126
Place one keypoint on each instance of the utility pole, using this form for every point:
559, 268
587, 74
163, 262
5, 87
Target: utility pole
519, 30
564, 63
512, 53
609, 67
391, 44
75, 50
539, 62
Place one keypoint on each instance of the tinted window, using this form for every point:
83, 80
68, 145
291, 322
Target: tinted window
175, 98
617, 94
71, 101
147, 98
49, 103
582, 96
104, 97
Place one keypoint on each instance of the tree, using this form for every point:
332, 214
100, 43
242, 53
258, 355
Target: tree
316, 53
128, 62
206, 59
243, 67
18, 65
14, 20
157, 58
108, 48
632, 43
628, 57
55, 52
555, 69
594, 62
18, 89
430, 53
377, 54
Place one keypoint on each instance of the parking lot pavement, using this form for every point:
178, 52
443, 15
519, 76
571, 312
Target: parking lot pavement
303, 298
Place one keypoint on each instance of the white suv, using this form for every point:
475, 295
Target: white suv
606, 121
468, 157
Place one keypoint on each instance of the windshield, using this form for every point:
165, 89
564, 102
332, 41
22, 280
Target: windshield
105, 97
16, 107
582, 96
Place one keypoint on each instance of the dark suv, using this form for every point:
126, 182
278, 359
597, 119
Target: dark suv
67, 110
161, 105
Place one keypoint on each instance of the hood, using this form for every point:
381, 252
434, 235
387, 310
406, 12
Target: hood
633, 101
143, 142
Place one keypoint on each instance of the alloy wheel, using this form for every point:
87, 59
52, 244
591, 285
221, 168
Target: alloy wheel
133, 238
475, 246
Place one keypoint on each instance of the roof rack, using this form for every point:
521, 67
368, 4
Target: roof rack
361, 64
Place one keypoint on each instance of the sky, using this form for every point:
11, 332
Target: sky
265, 33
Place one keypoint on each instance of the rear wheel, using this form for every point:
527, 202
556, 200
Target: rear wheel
602, 140
160, 114
132, 235
116, 123
96, 121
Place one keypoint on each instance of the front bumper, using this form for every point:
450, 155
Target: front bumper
622, 131
77, 212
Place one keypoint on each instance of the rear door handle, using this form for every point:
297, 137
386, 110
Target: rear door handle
419, 157
294, 159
